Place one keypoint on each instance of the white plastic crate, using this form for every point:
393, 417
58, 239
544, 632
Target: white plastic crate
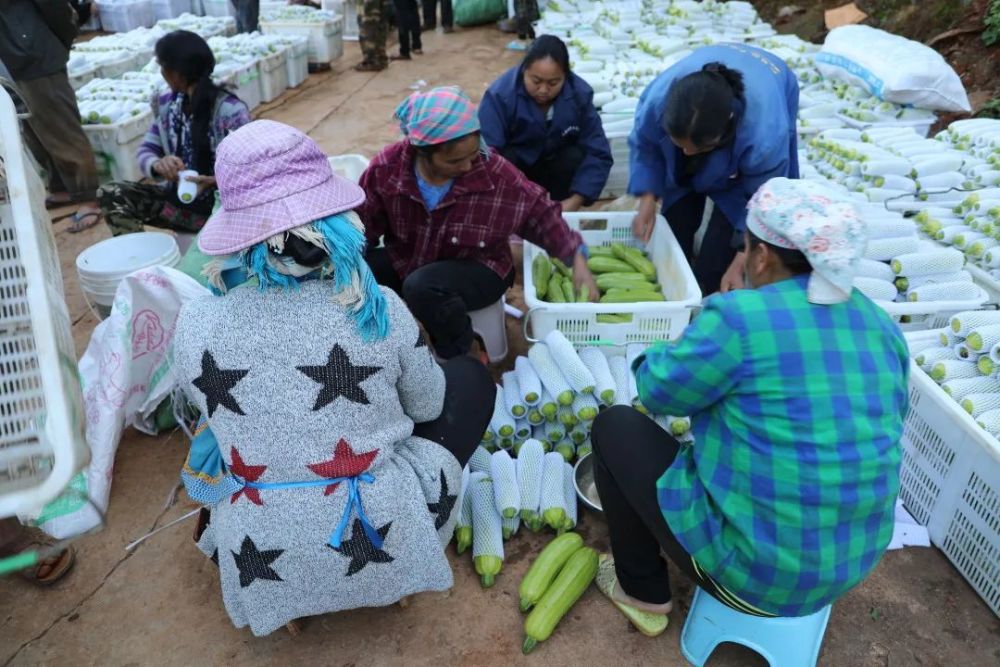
617, 184
349, 166
116, 147
273, 76
950, 479
80, 78
247, 84
349, 10
42, 442
651, 321
218, 8
125, 15
326, 39
128, 62
170, 9
297, 60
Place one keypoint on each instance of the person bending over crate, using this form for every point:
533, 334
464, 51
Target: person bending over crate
191, 120
797, 390
717, 125
445, 205
331, 443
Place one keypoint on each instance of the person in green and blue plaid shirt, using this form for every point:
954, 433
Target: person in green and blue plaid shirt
797, 390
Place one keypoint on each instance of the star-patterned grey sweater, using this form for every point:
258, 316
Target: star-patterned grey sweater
292, 393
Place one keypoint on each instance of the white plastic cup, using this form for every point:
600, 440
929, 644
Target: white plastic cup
187, 190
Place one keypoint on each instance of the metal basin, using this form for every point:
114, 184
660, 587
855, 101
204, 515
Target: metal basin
583, 480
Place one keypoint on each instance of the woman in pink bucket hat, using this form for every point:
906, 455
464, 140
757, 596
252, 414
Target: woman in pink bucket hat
330, 444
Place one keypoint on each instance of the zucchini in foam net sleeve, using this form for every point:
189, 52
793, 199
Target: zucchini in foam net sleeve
463, 524
569, 363
604, 383
528, 382
553, 503
487, 531
505, 491
512, 395
530, 461
548, 371
502, 423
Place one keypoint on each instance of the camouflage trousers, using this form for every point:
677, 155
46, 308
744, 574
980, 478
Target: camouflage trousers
372, 31
129, 207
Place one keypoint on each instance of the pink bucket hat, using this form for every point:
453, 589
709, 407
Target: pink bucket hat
272, 178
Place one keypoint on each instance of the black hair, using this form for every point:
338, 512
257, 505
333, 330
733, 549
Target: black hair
793, 260
428, 151
700, 105
547, 46
189, 56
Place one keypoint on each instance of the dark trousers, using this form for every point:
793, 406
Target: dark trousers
631, 452
408, 23
717, 246
430, 14
467, 408
247, 15
55, 137
553, 172
440, 295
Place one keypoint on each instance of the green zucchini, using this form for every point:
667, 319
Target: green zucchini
541, 271
630, 296
561, 268
554, 290
601, 264
543, 571
614, 318
568, 292
572, 581
635, 258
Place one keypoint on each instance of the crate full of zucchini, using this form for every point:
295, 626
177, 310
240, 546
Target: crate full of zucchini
646, 291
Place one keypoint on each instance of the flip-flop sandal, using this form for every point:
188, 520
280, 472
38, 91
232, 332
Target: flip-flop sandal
648, 624
59, 565
78, 225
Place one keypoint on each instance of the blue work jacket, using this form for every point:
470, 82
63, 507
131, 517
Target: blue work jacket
764, 146
510, 119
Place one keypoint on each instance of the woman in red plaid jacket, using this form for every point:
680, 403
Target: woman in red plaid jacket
445, 206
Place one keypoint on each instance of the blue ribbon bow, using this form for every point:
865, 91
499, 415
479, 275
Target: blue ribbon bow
353, 503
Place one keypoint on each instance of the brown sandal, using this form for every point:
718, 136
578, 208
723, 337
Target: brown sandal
57, 566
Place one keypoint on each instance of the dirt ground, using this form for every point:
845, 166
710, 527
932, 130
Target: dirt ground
161, 603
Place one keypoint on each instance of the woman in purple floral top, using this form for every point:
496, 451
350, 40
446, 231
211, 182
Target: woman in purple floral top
191, 120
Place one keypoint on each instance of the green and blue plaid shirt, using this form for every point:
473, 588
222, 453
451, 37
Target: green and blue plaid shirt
786, 496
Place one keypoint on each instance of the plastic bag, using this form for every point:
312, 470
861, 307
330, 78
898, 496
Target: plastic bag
477, 12
894, 68
126, 374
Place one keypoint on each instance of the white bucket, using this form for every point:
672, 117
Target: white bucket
102, 266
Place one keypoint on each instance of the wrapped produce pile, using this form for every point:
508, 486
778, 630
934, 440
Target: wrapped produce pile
521, 474
620, 47
965, 362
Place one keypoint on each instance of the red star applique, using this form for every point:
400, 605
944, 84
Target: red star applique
249, 474
345, 463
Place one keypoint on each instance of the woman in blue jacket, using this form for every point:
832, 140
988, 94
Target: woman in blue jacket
717, 125
541, 116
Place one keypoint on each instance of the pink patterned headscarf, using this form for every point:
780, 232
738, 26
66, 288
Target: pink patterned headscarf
437, 116
819, 222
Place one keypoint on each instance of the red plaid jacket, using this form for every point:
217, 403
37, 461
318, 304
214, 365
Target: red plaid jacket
473, 221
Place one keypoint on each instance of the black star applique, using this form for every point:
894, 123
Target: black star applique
339, 377
217, 384
421, 342
443, 507
215, 557
361, 550
254, 564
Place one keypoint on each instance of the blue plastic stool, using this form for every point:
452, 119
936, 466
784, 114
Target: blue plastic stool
783, 642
